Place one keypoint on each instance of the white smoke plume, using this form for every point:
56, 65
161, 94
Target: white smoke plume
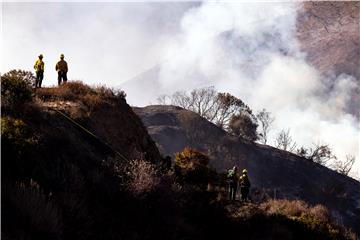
250, 50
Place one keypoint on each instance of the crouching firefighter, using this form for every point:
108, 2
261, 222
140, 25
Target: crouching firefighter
233, 178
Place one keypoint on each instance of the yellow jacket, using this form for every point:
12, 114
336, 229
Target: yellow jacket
39, 65
61, 66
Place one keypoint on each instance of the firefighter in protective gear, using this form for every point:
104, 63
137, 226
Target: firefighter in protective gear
233, 178
244, 186
62, 69
39, 70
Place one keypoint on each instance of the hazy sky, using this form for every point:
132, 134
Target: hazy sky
249, 50
103, 43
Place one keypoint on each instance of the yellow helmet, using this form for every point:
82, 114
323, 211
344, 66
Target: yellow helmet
62, 55
244, 171
41, 56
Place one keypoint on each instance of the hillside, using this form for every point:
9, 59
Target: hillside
77, 163
273, 172
58, 180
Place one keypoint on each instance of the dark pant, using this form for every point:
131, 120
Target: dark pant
244, 193
232, 190
62, 76
39, 78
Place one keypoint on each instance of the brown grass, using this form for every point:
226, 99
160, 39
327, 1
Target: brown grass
77, 91
315, 218
285, 207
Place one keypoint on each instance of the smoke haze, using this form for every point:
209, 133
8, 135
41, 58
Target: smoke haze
247, 49
253, 53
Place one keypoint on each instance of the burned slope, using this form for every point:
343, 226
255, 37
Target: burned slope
277, 173
58, 180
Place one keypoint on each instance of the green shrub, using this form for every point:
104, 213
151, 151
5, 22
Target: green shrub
20, 143
17, 133
16, 88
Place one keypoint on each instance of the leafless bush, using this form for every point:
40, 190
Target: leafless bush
321, 154
143, 177
344, 167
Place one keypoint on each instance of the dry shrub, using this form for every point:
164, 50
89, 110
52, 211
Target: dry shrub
142, 176
321, 213
316, 218
297, 208
92, 101
70, 91
110, 93
91, 97
31, 212
285, 207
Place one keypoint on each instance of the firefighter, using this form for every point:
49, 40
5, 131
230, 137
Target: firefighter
233, 178
244, 185
62, 69
39, 70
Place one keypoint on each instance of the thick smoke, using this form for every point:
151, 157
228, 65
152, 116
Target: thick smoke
250, 50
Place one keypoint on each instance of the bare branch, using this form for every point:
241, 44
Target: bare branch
266, 121
321, 154
285, 142
218, 108
344, 167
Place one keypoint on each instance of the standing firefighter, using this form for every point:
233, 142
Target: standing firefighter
62, 69
233, 178
244, 186
39, 70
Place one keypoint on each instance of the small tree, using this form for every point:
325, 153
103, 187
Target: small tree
265, 121
243, 126
284, 141
344, 167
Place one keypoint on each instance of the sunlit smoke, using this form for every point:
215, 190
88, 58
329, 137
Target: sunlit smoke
251, 51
